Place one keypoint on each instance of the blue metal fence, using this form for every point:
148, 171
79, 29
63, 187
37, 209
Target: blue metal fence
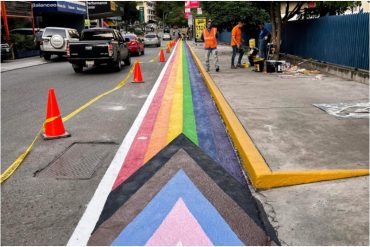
342, 39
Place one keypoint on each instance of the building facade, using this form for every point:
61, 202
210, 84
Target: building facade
147, 9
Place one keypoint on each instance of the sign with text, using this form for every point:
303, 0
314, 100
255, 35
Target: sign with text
200, 24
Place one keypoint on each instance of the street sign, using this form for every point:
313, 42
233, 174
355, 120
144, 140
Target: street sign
200, 25
199, 11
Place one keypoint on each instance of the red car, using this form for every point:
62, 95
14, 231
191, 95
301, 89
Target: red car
135, 45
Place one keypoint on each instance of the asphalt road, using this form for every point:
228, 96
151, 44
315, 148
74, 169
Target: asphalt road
38, 209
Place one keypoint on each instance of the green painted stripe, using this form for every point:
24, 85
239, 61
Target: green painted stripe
189, 126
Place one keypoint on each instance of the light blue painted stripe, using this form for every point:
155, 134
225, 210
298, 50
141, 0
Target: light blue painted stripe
139, 231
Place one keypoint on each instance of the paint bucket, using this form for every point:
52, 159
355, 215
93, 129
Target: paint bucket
259, 64
280, 66
271, 66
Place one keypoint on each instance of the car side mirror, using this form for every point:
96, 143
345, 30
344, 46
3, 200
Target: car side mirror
127, 40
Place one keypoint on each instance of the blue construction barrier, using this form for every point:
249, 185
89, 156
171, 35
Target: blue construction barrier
342, 39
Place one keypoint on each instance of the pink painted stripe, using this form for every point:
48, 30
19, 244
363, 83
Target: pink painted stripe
179, 227
135, 156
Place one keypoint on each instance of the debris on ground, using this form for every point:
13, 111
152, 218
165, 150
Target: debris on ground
346, 110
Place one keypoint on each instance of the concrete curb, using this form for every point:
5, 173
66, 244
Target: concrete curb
257, 169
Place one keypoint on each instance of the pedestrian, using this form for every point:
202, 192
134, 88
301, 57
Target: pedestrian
209, 36
263, 39
38, 39
236, 44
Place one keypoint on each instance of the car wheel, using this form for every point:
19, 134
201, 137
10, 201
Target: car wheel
77, 68
127, 61
47, 56
118, 64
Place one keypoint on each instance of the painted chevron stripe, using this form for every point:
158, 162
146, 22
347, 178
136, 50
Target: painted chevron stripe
182, 104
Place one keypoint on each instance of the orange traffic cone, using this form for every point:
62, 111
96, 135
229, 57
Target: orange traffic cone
168, 49
137, 73
161, 57
53, 125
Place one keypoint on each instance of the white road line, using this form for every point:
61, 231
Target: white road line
86, 225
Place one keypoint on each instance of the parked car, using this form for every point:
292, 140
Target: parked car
6, 51
152, 39
135, 45
99, 46
166, 36
55, 41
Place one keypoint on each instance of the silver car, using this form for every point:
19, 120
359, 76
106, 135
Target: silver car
55, 41
152, 39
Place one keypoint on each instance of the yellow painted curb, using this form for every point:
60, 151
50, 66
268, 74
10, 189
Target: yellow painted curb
258, 171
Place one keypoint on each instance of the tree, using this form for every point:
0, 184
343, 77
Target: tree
324, 8
174, 12
296, 8
232, 12
129, 12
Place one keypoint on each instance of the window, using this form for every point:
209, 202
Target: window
53, 31
97, 35
73, 34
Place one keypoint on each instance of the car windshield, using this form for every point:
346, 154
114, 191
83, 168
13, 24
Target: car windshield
131, 37
51, 31
97, 35
150, 36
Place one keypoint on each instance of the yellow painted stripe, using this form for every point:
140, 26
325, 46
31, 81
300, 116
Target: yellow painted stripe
175, 125
258, 171
13, 167
160, 130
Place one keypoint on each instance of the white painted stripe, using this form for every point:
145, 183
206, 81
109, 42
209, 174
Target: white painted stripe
86, 225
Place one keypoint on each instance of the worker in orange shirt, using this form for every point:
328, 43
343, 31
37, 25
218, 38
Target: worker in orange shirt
209, 36
236, 44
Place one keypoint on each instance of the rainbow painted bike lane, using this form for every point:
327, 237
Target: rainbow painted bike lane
176, 179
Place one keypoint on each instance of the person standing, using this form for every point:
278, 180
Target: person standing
263, 38
38, 40
236, 44
209, 36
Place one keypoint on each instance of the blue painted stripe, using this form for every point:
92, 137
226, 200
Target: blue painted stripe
226, 157
205, 137
139, 231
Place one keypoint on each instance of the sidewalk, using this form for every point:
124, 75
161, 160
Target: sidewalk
8, 65
292, 134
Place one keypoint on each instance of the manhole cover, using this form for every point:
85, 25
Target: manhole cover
79, 161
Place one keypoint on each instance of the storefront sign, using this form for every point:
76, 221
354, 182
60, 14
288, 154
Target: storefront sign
59, 6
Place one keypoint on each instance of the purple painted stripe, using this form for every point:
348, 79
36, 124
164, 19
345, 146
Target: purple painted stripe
203, 125
226, 154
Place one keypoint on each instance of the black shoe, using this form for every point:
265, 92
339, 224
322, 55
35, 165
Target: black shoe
239, 65
217, 69
233, 67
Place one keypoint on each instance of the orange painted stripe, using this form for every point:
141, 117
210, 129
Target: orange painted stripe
158, 138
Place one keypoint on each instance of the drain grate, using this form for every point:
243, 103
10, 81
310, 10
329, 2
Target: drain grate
79, 161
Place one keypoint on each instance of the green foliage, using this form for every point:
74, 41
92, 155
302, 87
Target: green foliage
173, 11
22, 42
324, 8
130, 14
226, 14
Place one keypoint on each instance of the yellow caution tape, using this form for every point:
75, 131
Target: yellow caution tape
49, 120
11, 169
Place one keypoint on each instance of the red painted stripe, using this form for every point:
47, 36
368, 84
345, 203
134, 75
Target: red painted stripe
135, 156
